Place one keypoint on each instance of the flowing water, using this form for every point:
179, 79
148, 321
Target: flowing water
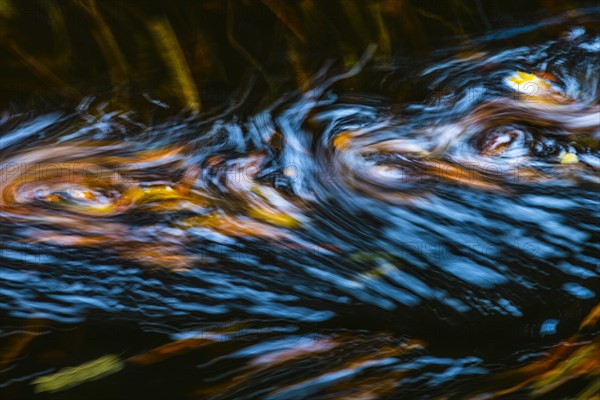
336, 245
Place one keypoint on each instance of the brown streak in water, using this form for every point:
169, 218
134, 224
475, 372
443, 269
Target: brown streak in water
159, 354
568, 360
19, 342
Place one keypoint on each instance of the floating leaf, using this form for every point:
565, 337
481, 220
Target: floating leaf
272, 216
342, 141
569, 158
521, 78
535, 88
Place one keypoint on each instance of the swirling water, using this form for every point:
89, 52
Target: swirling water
334, 245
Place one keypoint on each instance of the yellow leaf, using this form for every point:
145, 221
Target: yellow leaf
591, 319
342, 141
569, 158
522, 78
73, 376
174, 58
274, 217
7, 9
525, 76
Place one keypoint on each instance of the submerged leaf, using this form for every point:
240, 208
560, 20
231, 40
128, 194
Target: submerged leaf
592, 319
73, 376
173, 56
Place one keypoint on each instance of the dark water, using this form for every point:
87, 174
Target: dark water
337, 245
